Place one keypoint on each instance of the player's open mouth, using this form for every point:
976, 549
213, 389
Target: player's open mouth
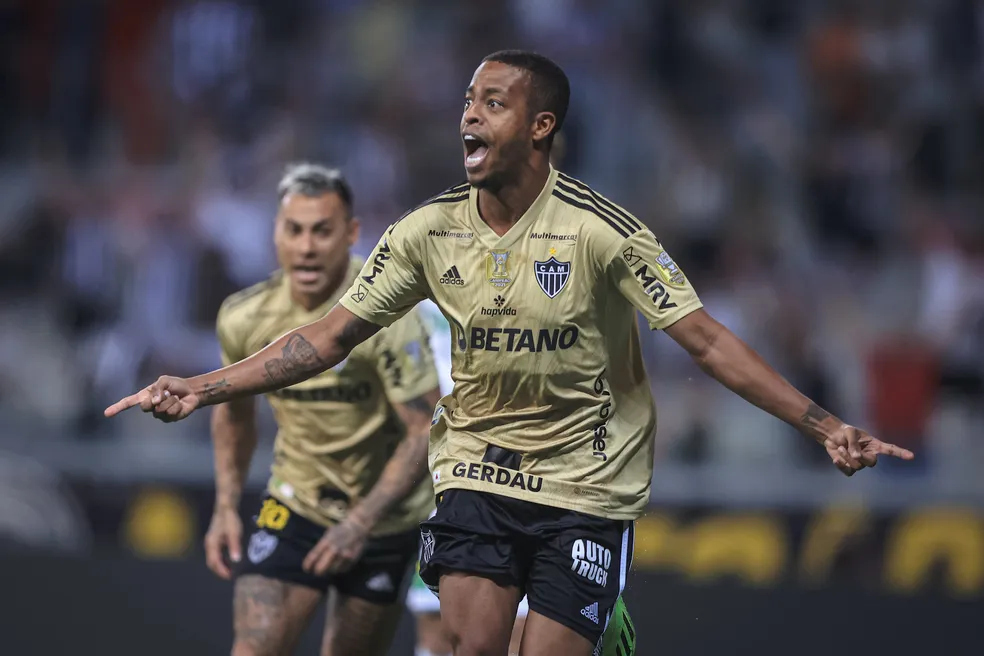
475, 150
307, 273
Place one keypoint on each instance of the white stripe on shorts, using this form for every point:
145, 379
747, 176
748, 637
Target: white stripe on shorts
624, 563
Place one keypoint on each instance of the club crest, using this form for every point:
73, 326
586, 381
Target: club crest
261, 545
552, 275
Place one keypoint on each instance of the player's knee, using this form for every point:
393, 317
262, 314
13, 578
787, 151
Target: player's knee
478, 640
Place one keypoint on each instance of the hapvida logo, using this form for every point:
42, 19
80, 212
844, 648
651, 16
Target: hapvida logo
498, 310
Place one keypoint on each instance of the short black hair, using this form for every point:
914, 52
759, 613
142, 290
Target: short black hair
551, 90
313, 180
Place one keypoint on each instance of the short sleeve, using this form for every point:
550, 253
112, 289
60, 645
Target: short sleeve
647, 277
404, 359
230, 339
391, 281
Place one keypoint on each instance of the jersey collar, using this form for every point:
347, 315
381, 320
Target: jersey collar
520, 228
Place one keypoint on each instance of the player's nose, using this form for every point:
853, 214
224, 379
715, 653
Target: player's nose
471, 116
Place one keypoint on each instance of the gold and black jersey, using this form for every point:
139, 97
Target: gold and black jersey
337, 430
551, 402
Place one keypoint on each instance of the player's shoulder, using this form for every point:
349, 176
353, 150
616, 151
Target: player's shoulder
439, 214
600, 218
246, 302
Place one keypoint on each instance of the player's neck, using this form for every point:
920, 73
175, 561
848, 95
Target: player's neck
503, 206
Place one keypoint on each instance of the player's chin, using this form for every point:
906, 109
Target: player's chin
482, 177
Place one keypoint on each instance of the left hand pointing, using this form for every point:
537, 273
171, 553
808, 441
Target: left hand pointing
852, 449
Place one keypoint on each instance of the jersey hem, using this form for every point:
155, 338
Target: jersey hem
548, 500
314, 518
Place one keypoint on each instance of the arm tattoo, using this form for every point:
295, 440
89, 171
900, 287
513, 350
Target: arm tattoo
299, 357
814, 416
355, 332
211, 390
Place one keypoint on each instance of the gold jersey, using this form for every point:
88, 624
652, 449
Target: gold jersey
337, 430
551, 401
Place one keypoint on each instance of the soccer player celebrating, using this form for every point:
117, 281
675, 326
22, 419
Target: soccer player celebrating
542, 456
349, 484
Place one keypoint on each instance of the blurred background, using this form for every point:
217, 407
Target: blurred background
814, 165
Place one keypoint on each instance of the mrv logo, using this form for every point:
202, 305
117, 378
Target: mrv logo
377, 262
515, 340
650, 282
591, 560
497, 476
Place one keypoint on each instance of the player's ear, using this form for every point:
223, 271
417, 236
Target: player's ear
543, 124
353, 230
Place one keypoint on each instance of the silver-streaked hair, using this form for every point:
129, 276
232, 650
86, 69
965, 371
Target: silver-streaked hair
313, 180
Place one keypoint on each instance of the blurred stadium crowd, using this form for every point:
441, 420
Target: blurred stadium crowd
814, 167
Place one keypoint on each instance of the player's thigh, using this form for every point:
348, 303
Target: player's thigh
473, 553
366, 603
274, 596
478, 613
543, 636
426, 610
578, 571
358, 627
269, 616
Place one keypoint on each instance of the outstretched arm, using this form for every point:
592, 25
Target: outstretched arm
722, 355
297, 356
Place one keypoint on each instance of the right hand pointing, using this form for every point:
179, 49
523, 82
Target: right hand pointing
169, 399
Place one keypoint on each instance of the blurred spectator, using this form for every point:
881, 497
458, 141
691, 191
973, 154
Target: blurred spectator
813, 166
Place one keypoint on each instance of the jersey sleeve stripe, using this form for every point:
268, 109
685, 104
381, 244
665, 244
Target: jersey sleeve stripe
464, 186
447, 199
593, 201
636, 226
455, 194
592, 209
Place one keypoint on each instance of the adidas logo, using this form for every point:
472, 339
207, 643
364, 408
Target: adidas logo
383, 583
452, 277
591, 612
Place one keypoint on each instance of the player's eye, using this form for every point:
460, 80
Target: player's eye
495, 104
467, 102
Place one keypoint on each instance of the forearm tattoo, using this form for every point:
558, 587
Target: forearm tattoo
212, 390
300, 358
814, 416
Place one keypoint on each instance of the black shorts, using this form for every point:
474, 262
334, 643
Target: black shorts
281, 539
571, 566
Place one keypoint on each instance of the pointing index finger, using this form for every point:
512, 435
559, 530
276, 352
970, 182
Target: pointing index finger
896, 451
121, 405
